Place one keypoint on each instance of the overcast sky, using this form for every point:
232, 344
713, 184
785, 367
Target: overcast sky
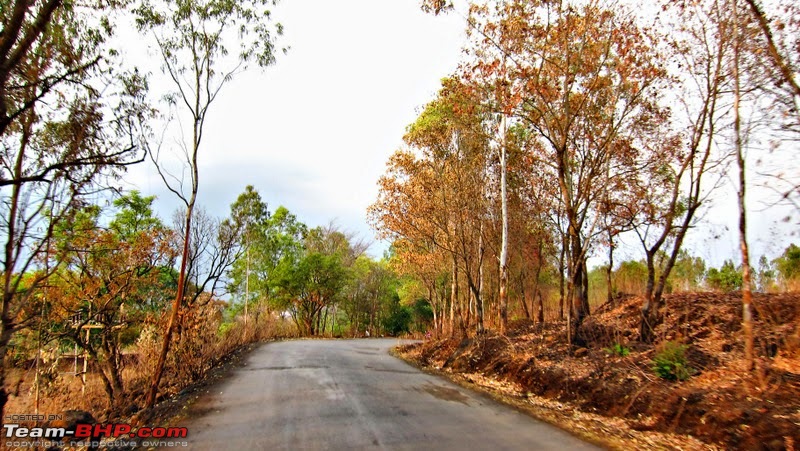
314, 131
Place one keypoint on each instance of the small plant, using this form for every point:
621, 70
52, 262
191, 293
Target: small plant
670, 362
618, 349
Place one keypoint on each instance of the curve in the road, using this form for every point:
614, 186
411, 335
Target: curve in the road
351, 394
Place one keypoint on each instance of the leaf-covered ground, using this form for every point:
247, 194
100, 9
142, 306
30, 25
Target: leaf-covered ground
619, 400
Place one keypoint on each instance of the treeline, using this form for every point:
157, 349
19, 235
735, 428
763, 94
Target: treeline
691, 274
75, 113
320, 277
572, 128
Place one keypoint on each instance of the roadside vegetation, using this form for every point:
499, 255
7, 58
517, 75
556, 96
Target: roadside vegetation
573, 132
254, 276
107, 307
544, 200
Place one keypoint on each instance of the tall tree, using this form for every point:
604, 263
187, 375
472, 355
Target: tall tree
250, 215
436, 195
195, 39
69, 116
584, 78
681, 174
747, 286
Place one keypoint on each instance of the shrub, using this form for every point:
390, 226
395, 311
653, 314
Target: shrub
225, 327
670, 362
618, 349
398, 321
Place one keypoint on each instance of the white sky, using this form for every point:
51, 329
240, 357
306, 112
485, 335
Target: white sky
313, 132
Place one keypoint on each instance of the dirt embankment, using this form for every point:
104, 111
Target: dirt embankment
719, 403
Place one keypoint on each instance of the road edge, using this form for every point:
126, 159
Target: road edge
552, 417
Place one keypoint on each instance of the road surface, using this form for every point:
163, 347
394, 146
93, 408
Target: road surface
351, 394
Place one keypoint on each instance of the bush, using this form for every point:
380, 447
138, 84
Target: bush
619, 350
225, 327
398, 321
670, 362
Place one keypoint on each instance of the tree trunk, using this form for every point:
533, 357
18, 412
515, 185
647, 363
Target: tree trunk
246, 288
651, 306
176, 305
540, 310
610, 270
479, 300
579, 288
523, 297
504, 236
747, 296
561, 278
454, 300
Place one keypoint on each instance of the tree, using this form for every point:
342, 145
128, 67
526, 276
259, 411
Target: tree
727, 278
788, 265
250, 215
766, 275
423, 274
70, 117
97, 298
584, 79
687, 274
194, 39
772, 41
678, 186
398, 319
452, 136
435, 196
308, 285
747, 296
213, 247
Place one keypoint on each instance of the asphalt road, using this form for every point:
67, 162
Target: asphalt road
351, 394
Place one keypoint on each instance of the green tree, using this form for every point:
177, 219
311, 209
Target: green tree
398, 318
766, 275
687, 274
631, 277
279, 238
727, 278
250, 216
370, 295
788, 265
422, 312
308, 285
135, 215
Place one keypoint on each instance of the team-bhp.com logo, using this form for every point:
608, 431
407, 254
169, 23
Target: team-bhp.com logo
18, 435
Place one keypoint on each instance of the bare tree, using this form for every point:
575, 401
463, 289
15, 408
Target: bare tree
674, 190
193, 39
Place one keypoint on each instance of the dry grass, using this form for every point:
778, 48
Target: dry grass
199, 345
720, 404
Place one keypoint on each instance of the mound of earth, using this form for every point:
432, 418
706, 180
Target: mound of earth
719, 404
